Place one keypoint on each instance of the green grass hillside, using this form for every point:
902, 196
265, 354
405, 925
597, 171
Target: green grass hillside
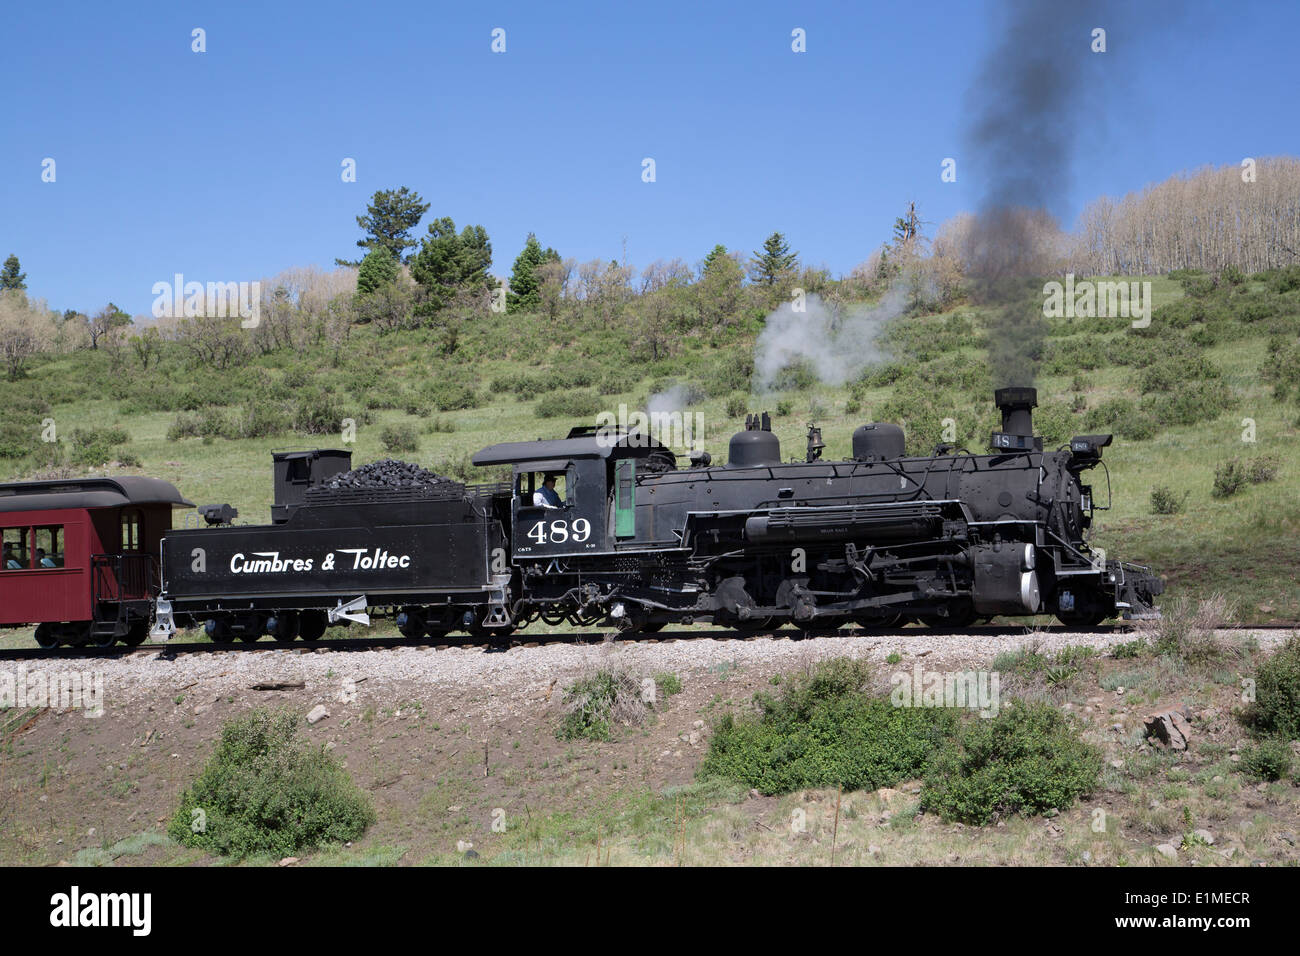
1221, 356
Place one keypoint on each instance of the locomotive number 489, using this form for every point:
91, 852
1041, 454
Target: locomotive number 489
558, 532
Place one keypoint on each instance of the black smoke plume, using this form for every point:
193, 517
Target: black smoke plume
1032, 96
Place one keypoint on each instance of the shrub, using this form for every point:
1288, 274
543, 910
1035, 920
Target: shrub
730, 375
737, 405
568, 404
595, 704
95, 446
450, 396
1130, 649
1229, 478
195, 425
1164, 501
318, 414
1189, 403
1171, 372
1024, 761
1261, 470
263, 791
1281, 368
257, 419
1231, 275
612, 383
1276, 708
1186, 629
1269, 760
399, 438
668, 684
826, 730
1032, 666
784, 407
18, 440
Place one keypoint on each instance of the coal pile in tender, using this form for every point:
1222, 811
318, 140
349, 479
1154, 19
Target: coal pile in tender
386, 474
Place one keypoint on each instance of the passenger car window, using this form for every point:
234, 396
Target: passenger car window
49, 547
16, 553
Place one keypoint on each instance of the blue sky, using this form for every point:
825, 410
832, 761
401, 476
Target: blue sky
225, 165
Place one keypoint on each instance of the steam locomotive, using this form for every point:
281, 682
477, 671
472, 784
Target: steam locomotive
638, 541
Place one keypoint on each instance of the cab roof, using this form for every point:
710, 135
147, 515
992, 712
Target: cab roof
581, 443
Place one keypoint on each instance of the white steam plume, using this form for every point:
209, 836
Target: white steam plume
837, 342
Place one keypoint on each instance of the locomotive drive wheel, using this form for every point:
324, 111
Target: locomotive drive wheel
880, 623
959, 615
1081, 618
753, 625
827, 625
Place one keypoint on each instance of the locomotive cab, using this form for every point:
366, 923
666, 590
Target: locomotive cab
596, 482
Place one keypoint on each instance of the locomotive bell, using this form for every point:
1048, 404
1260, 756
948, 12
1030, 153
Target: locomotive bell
878, 442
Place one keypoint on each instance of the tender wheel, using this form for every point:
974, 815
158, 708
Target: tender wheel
137, 633
412, 624
311, 625
46, 637
217, 630
283, 627
99, 640
481, 632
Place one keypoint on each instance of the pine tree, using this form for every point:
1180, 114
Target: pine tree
775, 263
714, 259
10, 277
525, 284
377, 269
719, 288
388, 222
448, 263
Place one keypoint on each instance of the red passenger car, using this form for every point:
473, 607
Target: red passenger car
80, 556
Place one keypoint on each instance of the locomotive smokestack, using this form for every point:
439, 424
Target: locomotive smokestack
1016, 404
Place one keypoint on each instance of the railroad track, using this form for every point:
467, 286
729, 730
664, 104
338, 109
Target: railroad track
172, 650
